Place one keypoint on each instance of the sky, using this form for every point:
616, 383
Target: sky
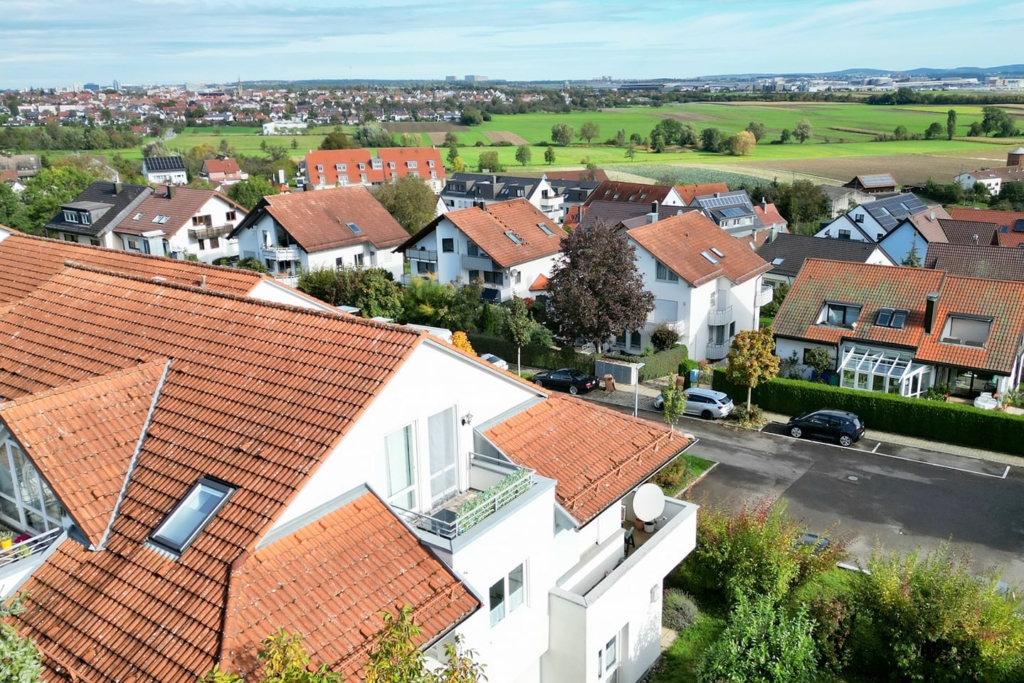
60, 42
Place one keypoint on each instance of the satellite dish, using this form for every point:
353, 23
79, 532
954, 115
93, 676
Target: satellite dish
648, 502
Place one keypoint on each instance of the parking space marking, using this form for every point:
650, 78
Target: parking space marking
898, 457
875, 449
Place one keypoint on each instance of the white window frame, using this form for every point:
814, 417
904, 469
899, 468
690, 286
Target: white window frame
668, 276
43, 491
608, 660
394, 494
510, 601
70, 216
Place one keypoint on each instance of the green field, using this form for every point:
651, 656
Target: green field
841, 131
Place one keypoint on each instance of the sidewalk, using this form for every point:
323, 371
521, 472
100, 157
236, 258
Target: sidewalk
625, 395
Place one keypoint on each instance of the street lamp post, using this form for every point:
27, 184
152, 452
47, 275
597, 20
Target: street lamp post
636, 388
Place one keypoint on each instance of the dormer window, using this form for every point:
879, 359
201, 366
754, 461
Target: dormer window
191, 515
968, 330
377, 164
430, 163
339, 167
410, 164
839, 314
70, 216
894, 318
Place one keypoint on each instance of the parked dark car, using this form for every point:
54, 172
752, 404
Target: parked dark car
567, 379
828, 424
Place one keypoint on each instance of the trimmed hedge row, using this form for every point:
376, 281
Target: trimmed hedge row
657, 364
949, 422
533, 355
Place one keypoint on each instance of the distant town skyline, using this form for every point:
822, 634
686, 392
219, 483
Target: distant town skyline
51, 43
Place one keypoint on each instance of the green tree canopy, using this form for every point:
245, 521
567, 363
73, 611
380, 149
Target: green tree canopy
410, 201
752, 359
47, 190
757, 130
373, 135
589, 131
10, 207
249, 192
712, 139
950, 124
742, 144
19, 659
517, 327
562, 134
802, 131
523, 154
934, 132
549, 156
471, 116
489, 162
371, 290
336, 139
595, 288
427, 302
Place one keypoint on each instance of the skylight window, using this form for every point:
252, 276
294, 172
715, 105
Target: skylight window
546, 230
160, 218
191, 515
717, 253
137, 216
778, 261
709, 257
355, 228
514, 237
894, 318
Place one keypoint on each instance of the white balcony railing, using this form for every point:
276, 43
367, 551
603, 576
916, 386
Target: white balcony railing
421, 255
720, 317
27, 548
478, 263
765, 296
718, 351
281, 253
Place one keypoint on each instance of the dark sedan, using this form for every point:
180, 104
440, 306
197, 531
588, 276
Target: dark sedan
828, 424
567, 379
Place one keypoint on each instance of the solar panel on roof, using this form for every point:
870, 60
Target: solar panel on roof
883, 179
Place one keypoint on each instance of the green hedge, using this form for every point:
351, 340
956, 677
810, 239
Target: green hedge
657, 364
949, 422
533, 355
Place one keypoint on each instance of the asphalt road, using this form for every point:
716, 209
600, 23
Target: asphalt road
887, 495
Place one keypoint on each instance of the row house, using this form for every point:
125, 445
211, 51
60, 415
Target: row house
902, 330
344, 167
508, 247
314, 485
787, 254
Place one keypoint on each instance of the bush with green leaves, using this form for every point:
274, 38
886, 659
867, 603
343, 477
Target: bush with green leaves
678, 610
19, 658
656, 365
428, 302
533, 355
761, 643
371, 290
664, 338
938, 622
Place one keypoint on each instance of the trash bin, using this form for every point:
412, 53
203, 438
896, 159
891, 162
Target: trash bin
694, 375
609, 383
681, 382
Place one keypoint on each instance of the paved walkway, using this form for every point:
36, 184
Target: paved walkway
625, 395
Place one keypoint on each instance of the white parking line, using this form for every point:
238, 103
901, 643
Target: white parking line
900, 457
875, 449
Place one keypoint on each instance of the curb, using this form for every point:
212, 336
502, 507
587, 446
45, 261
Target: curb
703, 475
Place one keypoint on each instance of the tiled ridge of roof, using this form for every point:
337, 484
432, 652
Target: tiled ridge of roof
39, 258
596, 454
318, 572
257, 395
82, 437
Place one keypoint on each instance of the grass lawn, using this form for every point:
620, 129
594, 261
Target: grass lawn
677, 663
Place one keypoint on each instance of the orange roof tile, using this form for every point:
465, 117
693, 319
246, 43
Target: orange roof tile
226, 166
615, 191
256, 396
770, 215
996, 299
179, 204
597, 455
690, 192
39, 259
349, 567
349, 160
319, 220
488, 226
540, 284
678, 242
927, 223
871, 286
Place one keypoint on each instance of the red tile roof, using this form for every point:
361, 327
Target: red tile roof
995, 299
678, 242
256, 396
350, 159
597, 455
39, 259
319, 220
927, 223
8, 175
222, 166
81, 437
540, 284
488, 226
329, 582
615, 191
1004, 219
689, 192
770, 215
871, 286
179, 204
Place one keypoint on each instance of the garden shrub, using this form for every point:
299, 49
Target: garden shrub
533, 355
656, 365
761, 643
672, 476
949, 422
678, 610
664, 338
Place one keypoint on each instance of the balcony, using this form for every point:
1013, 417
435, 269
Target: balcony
421, 255
21, 559
478, 263
720, 317
718, 351
494, 484
765, 296
293, 253
205, 232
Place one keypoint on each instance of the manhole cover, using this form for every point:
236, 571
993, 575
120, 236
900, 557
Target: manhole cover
852, 478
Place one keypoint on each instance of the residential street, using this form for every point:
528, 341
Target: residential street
896, 496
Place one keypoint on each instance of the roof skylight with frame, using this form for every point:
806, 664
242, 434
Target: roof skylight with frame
190, 516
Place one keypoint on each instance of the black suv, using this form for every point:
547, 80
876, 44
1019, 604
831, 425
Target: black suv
831, 424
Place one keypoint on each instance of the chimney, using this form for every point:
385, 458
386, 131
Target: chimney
170, 191
280, 176
764, 204
931, 303
118, 187
652, 217
202, 282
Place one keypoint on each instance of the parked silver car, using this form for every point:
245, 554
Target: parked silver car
706, 403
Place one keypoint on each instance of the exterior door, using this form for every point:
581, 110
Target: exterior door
444, 479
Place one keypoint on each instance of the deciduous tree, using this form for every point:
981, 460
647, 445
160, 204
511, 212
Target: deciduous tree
371, 290
752, 360
489, 162
47, 190
712, 139
802, 131
934, 131
950, 124
336, 139
595, 288
742, 144
409, 200
549, 156
517, 328
589, 131
249, 192
631, 151
523, 154
19, 659
757, 130
562, 134
674, 402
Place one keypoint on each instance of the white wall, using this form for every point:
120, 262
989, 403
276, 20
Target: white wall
899, 242
412, 395
270, 290
218, 209
784, 348
869, 226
